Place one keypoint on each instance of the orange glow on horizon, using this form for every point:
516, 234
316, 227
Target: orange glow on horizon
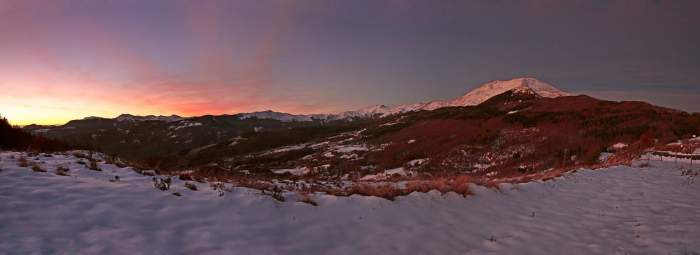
42, 81
56, 105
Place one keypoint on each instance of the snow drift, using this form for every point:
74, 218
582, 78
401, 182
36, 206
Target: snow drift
621, 210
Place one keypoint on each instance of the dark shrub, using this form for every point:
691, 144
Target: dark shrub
191, 186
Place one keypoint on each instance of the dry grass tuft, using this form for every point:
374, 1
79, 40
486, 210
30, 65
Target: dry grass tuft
62, 171
306, 198
162, 183
22, 162
275, 193
424, 186
37, 168
220, 188
386, 191
459, 185
93, 165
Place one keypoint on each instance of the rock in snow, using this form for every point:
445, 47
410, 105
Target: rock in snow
621, 210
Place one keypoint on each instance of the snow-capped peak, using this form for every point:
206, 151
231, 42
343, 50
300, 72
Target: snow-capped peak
281, 116
129, 117
474, 97
370, 111
494, 88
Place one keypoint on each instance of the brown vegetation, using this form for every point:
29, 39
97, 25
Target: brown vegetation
458, 184
62, 171
385, 190
306, 198
22, 162
37, 168
93, 165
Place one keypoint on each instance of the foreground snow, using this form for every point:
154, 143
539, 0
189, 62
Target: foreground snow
622, 210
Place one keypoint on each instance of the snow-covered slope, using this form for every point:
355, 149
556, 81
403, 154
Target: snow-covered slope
476, 96
622, 210
129, 117
371, 111
281, 116
494, 88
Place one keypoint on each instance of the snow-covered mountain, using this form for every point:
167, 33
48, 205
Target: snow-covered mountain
370, 111
129, 117
136, 118
494, 88
474, 97
281, 116
477, 96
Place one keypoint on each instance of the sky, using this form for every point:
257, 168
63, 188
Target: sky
63, 59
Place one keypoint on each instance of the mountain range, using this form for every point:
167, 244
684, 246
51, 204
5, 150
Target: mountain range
501, 129
473, 97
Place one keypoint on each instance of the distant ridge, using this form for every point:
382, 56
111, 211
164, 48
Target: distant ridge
476, 96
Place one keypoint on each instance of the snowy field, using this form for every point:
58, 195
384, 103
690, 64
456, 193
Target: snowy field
622, 210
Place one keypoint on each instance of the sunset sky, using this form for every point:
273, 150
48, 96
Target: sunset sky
62, 60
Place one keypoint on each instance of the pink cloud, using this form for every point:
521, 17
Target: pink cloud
219, 84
